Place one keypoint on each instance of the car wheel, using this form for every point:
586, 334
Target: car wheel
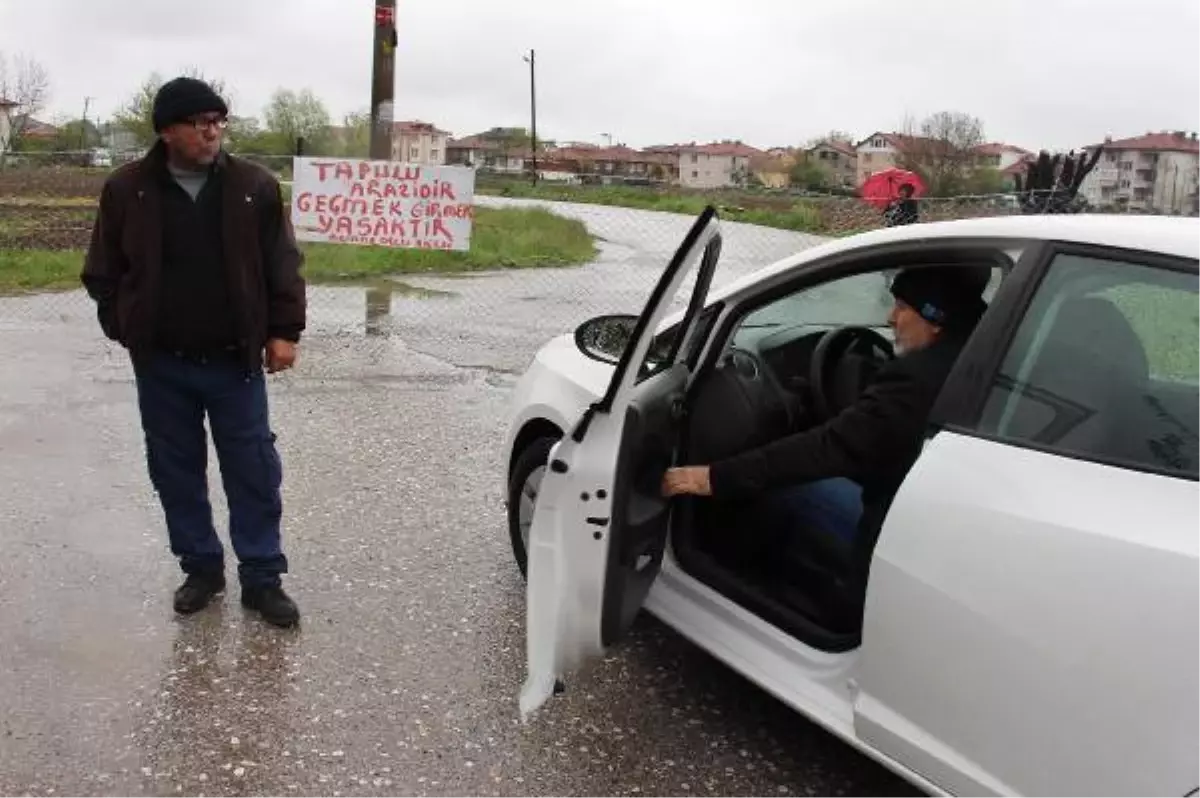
524, 484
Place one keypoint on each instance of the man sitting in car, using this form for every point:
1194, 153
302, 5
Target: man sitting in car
841, 476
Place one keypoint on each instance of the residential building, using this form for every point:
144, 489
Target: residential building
721, 164
619, 164
1157, 172
773, 168
881, 151
1000, 156
875, 153
419, 142
34, 130
838, 160
1010, 173
6, 114
502, 150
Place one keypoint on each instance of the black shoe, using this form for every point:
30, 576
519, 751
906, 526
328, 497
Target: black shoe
276, 608
197, 591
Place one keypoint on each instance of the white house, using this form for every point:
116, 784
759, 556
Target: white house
7, 109
1156, 172
718, 165
419, 142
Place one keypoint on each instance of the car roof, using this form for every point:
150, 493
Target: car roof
1178, 236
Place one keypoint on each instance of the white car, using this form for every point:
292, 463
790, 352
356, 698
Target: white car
1029, 622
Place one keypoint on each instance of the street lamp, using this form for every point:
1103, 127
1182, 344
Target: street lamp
531, 60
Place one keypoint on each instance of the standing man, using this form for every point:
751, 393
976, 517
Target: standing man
194, 269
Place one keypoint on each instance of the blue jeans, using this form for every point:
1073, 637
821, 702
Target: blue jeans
830, 507
174, 395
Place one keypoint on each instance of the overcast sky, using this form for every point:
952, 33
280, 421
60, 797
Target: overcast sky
1054, 73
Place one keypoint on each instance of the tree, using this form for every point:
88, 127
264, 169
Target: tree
78, 134
291, 115
243, 133
26, 84
807, 175
833, 135
941, 149
137, 115
1052, 183
355, 138
984, 181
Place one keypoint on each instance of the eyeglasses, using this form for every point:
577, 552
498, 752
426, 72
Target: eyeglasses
220, 123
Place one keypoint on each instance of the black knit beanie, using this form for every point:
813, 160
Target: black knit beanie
948, 296
183, 97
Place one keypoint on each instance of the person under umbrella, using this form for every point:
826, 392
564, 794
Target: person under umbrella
903, 209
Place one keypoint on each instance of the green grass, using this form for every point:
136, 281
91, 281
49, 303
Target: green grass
507, 238
784, 214
24, 270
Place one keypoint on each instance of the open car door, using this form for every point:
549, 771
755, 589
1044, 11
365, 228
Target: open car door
600, 526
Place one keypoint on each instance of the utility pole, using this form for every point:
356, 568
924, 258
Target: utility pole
532, 61
87, 101
383, 79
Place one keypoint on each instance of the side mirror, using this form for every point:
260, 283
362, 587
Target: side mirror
604, 338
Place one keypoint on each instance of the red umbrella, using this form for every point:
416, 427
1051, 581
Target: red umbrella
882, 187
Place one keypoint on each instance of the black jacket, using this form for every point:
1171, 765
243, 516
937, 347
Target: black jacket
123, 268
873, 441
901, 212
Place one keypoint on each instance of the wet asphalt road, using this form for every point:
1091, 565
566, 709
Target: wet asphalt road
404, 675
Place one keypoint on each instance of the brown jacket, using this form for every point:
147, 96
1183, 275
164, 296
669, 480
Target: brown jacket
122, 268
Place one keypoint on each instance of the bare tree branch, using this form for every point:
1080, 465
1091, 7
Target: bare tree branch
941, 150
137, 115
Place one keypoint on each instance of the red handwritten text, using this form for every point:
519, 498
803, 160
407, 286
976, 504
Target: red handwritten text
382, 228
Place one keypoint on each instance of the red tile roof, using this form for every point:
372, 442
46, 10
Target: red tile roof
1161, 142
34, 128
617, 154
416, 126
718, 148
1018, 168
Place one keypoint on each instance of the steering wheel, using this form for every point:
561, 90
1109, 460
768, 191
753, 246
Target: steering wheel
843, 360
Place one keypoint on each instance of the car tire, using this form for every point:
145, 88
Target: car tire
525, 481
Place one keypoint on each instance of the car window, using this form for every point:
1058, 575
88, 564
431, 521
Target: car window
860, 300
1104, 367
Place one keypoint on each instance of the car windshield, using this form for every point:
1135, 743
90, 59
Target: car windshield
861, 301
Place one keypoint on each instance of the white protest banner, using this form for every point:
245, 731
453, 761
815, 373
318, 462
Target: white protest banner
385, 203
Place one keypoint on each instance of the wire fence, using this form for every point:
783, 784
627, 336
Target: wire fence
47, 208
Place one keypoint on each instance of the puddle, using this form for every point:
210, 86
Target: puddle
371, 308
379, 296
